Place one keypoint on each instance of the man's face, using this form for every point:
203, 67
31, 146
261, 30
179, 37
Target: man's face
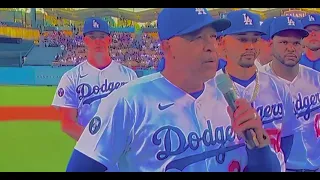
194, 53
287, 48
97, 42
242, 49
312, 42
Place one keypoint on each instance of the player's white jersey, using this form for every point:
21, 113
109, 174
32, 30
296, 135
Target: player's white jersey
84, 86
155, 126
273, 104
305, 90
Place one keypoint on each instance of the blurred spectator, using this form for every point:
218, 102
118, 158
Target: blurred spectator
133, 50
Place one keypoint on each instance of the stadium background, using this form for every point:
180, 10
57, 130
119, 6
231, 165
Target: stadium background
37, 45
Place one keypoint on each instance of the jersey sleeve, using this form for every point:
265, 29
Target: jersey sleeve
65, 95
107, 136
290, 122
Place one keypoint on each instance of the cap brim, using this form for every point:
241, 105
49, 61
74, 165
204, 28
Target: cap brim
302, 32
245, 31
317, 24
219, 25
108, 33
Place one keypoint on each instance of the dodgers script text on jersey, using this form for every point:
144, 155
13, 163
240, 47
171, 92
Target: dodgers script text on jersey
305, 90
84, 86
158, 127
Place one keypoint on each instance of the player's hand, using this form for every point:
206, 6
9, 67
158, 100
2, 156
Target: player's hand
245, 117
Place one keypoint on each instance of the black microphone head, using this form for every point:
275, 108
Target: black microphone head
224, 83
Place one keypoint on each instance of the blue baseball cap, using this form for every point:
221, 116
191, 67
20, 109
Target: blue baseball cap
179, 21
283, 23
243, 21
94, 24
265, 27
311, 19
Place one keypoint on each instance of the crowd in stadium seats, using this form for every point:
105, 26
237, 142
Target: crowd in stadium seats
132, 50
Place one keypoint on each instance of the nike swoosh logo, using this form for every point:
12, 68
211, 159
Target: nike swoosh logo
161, 107
83, 76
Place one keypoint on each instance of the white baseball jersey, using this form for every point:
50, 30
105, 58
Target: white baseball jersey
155, 126
305, 90
273, 104
84, 86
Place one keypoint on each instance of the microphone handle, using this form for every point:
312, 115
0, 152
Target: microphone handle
230, 97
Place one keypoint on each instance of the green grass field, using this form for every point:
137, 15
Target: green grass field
32, 146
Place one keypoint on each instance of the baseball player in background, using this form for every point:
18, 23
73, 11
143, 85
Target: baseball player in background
83, 87
268, 95
265, 55
155, 123
287, 34
311, 58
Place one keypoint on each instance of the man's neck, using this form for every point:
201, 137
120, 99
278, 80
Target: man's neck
313, 55
240, 72
184, 81
283, 71
99, 63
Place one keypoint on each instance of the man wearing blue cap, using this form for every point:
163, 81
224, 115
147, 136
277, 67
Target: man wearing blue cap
265, 56
83, 87
311, 58
154, 123
303, 82
267, 94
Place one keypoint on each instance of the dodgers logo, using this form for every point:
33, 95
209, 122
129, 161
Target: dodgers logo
86, 91
270, 113
220, 136
304, 106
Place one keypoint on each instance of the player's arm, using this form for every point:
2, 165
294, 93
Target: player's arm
102, 144
66, 101
69, 123
261, 158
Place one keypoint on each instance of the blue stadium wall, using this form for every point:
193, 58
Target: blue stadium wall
40, 75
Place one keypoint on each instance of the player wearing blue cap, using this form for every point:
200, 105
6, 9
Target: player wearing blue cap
160, 123
81, 89
265, 55
267, 94
152, 123
303, 82
311, 58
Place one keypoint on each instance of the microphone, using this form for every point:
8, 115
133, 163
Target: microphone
225, 85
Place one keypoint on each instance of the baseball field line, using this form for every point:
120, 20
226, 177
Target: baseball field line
27, 113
